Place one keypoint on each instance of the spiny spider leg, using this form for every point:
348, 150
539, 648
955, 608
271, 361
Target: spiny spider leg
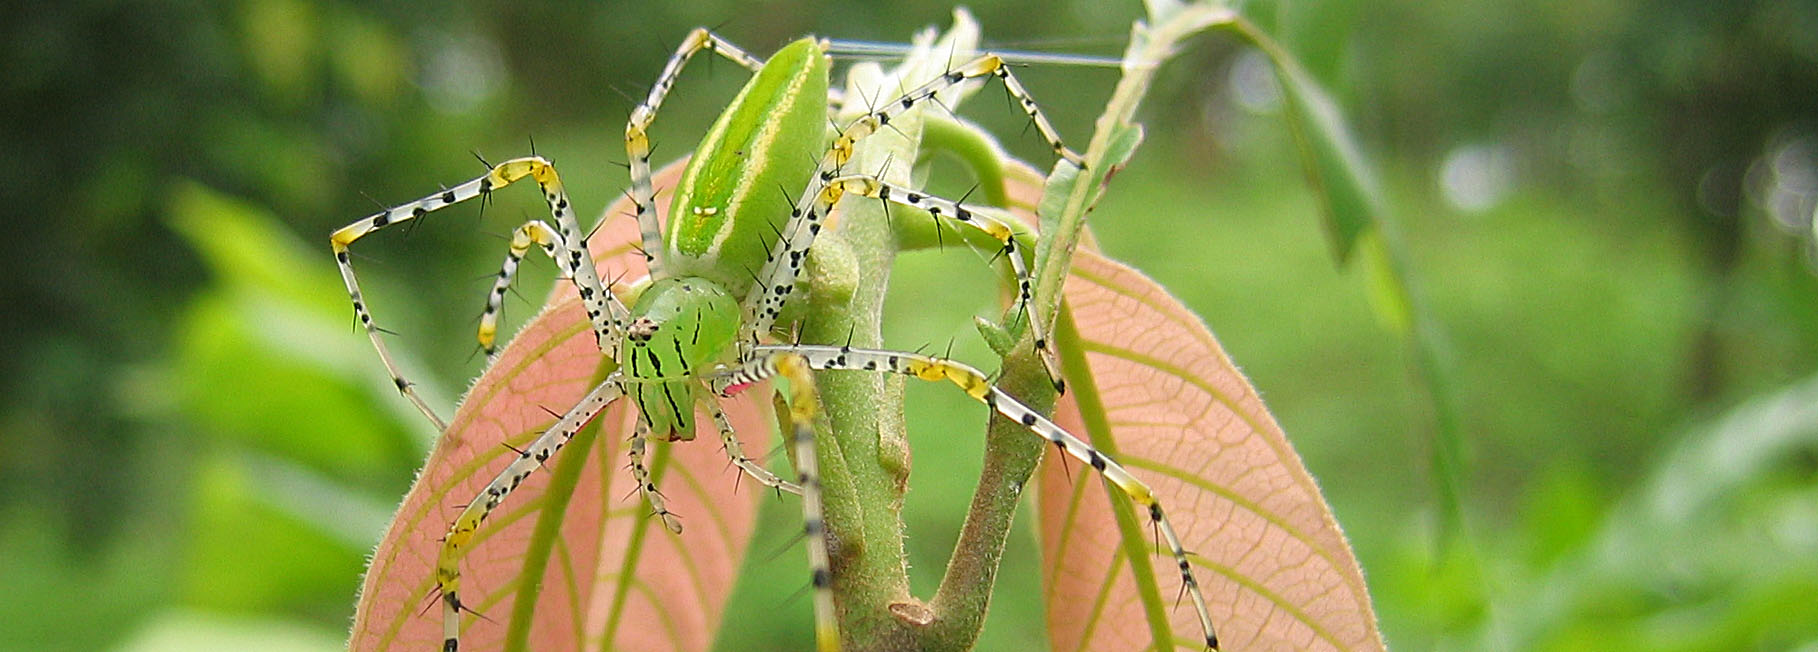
530, 458
641, 475
577, 262
461, 532
976, 385
532, 233
730, 442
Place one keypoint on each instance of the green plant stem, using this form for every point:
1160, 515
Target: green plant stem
866, 468
1149, 47
1011, 453
1011, 457
866, 461
973, 148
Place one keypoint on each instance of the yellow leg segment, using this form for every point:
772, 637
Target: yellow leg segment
532, 233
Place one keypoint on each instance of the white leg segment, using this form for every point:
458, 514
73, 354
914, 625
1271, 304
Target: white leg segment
641, 474
729, 441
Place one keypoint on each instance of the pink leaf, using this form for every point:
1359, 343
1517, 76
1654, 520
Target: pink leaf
613, 575
1276, 570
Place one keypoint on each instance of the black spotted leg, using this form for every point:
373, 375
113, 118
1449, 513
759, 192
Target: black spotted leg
538, 234
575, 260
461, 533
976, 385
640, 473
729, 441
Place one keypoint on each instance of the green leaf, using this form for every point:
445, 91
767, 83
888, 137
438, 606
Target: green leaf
240, 523
1348, 189
1388, 295
1712, 550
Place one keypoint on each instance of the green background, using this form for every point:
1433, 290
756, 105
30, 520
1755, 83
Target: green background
1607, 207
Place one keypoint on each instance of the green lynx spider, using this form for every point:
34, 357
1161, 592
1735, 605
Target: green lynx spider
686, 340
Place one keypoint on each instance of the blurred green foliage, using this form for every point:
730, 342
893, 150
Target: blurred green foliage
1607, 206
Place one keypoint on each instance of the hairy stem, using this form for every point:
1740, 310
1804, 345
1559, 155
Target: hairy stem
868, 442
1011, 457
